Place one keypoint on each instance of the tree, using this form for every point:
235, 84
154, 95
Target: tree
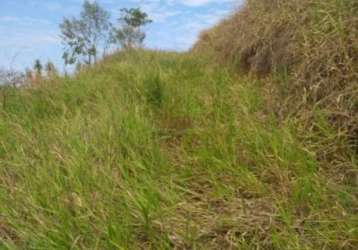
50, 69
38, 67
85, 37
130, 34
11, 78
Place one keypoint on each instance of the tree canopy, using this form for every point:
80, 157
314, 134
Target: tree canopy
129, 34
85, 37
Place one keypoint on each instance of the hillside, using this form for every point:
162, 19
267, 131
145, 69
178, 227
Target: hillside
307, 52
162, 150
197, 150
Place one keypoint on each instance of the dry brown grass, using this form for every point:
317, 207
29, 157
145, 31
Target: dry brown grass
307, 50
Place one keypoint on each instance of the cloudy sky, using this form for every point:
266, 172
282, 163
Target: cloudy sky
29, 28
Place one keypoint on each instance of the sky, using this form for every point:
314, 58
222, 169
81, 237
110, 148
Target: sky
29, 29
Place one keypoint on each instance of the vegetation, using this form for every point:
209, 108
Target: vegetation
50, 69
38, 67
84, 38
307, 50
160, 150
9, 77
129, 34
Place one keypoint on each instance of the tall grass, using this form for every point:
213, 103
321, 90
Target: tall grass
304, 52
154, 150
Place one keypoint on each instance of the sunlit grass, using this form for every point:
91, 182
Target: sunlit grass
154, 150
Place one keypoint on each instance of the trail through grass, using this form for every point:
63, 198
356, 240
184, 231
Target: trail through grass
154, 150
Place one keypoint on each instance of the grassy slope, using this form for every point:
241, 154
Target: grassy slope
161, 150
307, 50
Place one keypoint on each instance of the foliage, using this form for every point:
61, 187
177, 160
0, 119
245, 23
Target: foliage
38, 67
85, 37
130, 34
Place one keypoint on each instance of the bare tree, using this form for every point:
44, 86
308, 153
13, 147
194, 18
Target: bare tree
12, 78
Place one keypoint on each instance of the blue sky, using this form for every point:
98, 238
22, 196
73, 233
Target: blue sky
29, 28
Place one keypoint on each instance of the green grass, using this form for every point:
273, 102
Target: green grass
154, 150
